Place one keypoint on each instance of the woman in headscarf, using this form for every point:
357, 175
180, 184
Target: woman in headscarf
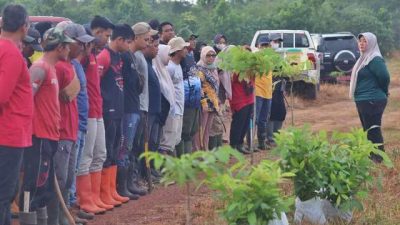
208, 74
369, 86
166, 86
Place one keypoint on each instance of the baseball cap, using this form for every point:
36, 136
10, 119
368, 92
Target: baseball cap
33, 38
275, 37
264, 40
55, 36
176, 44
76, 31
142, 28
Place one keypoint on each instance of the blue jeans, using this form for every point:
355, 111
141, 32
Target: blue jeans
10, 163
80, 143
130, 123
263, 107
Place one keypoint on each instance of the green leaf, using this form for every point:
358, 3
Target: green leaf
252, 218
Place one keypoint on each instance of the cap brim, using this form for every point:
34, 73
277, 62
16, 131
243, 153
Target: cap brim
68, 40
278, 39
37, 47
194, 35
85, 38
29, 39
263, 43
153, 32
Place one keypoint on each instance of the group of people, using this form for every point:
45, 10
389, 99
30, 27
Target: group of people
80, 103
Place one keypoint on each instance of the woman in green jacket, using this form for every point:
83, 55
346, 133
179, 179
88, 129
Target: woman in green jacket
369, 88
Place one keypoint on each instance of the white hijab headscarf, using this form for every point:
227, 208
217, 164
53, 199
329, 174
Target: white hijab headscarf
159, 65
371, 51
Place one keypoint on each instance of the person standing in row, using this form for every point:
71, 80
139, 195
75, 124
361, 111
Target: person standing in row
88, 179
171, 133
112, 86
16, 105
207, 72
39, 159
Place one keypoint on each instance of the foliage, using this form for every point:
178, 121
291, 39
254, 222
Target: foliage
303, 152
256, 64
252, 196
350, 167
189, 167
338, 170
239, 19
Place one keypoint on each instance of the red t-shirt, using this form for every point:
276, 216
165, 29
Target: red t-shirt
93, 87
68, 110
46, 117
16, 100
241, 97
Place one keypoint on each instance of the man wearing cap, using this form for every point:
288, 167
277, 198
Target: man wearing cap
192, 86
16, 104
263, 91
94, 151
65, 157
38, 160
31, 44
112, 86
135, 116
171, 133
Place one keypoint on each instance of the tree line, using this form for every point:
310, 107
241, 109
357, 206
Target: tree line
239, 19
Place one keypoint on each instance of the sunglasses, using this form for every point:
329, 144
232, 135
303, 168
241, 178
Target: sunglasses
211, 55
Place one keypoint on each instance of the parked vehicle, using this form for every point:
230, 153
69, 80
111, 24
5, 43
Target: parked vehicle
297, 42
339, 54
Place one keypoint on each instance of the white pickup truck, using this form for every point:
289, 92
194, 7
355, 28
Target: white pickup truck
297, 42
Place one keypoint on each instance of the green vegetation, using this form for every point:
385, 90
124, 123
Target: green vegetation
239, 19
337, 169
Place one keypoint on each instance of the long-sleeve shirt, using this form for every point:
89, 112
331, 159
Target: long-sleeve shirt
372, 81
175, 71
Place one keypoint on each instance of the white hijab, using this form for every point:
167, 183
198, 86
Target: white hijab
371, 51
159, 65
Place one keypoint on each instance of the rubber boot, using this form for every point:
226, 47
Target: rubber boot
84, 193
132, 181
105, 189
212, 142
53, 211
14, 210
113, 185
84, 215
62, 217
96, 183
241, 149
121, 184
27, 218
41, 215
80, 221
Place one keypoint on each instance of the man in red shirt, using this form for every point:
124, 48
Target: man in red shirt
38, 160
68, 82
16, 104
94, 154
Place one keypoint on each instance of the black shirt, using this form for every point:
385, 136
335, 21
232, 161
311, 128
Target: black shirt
112, 85
154, 90
132, 85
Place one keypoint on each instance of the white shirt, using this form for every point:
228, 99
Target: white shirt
177, 79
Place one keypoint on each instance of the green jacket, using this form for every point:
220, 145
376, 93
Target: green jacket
372, 81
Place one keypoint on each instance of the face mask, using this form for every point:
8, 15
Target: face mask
274, 45
221, 46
